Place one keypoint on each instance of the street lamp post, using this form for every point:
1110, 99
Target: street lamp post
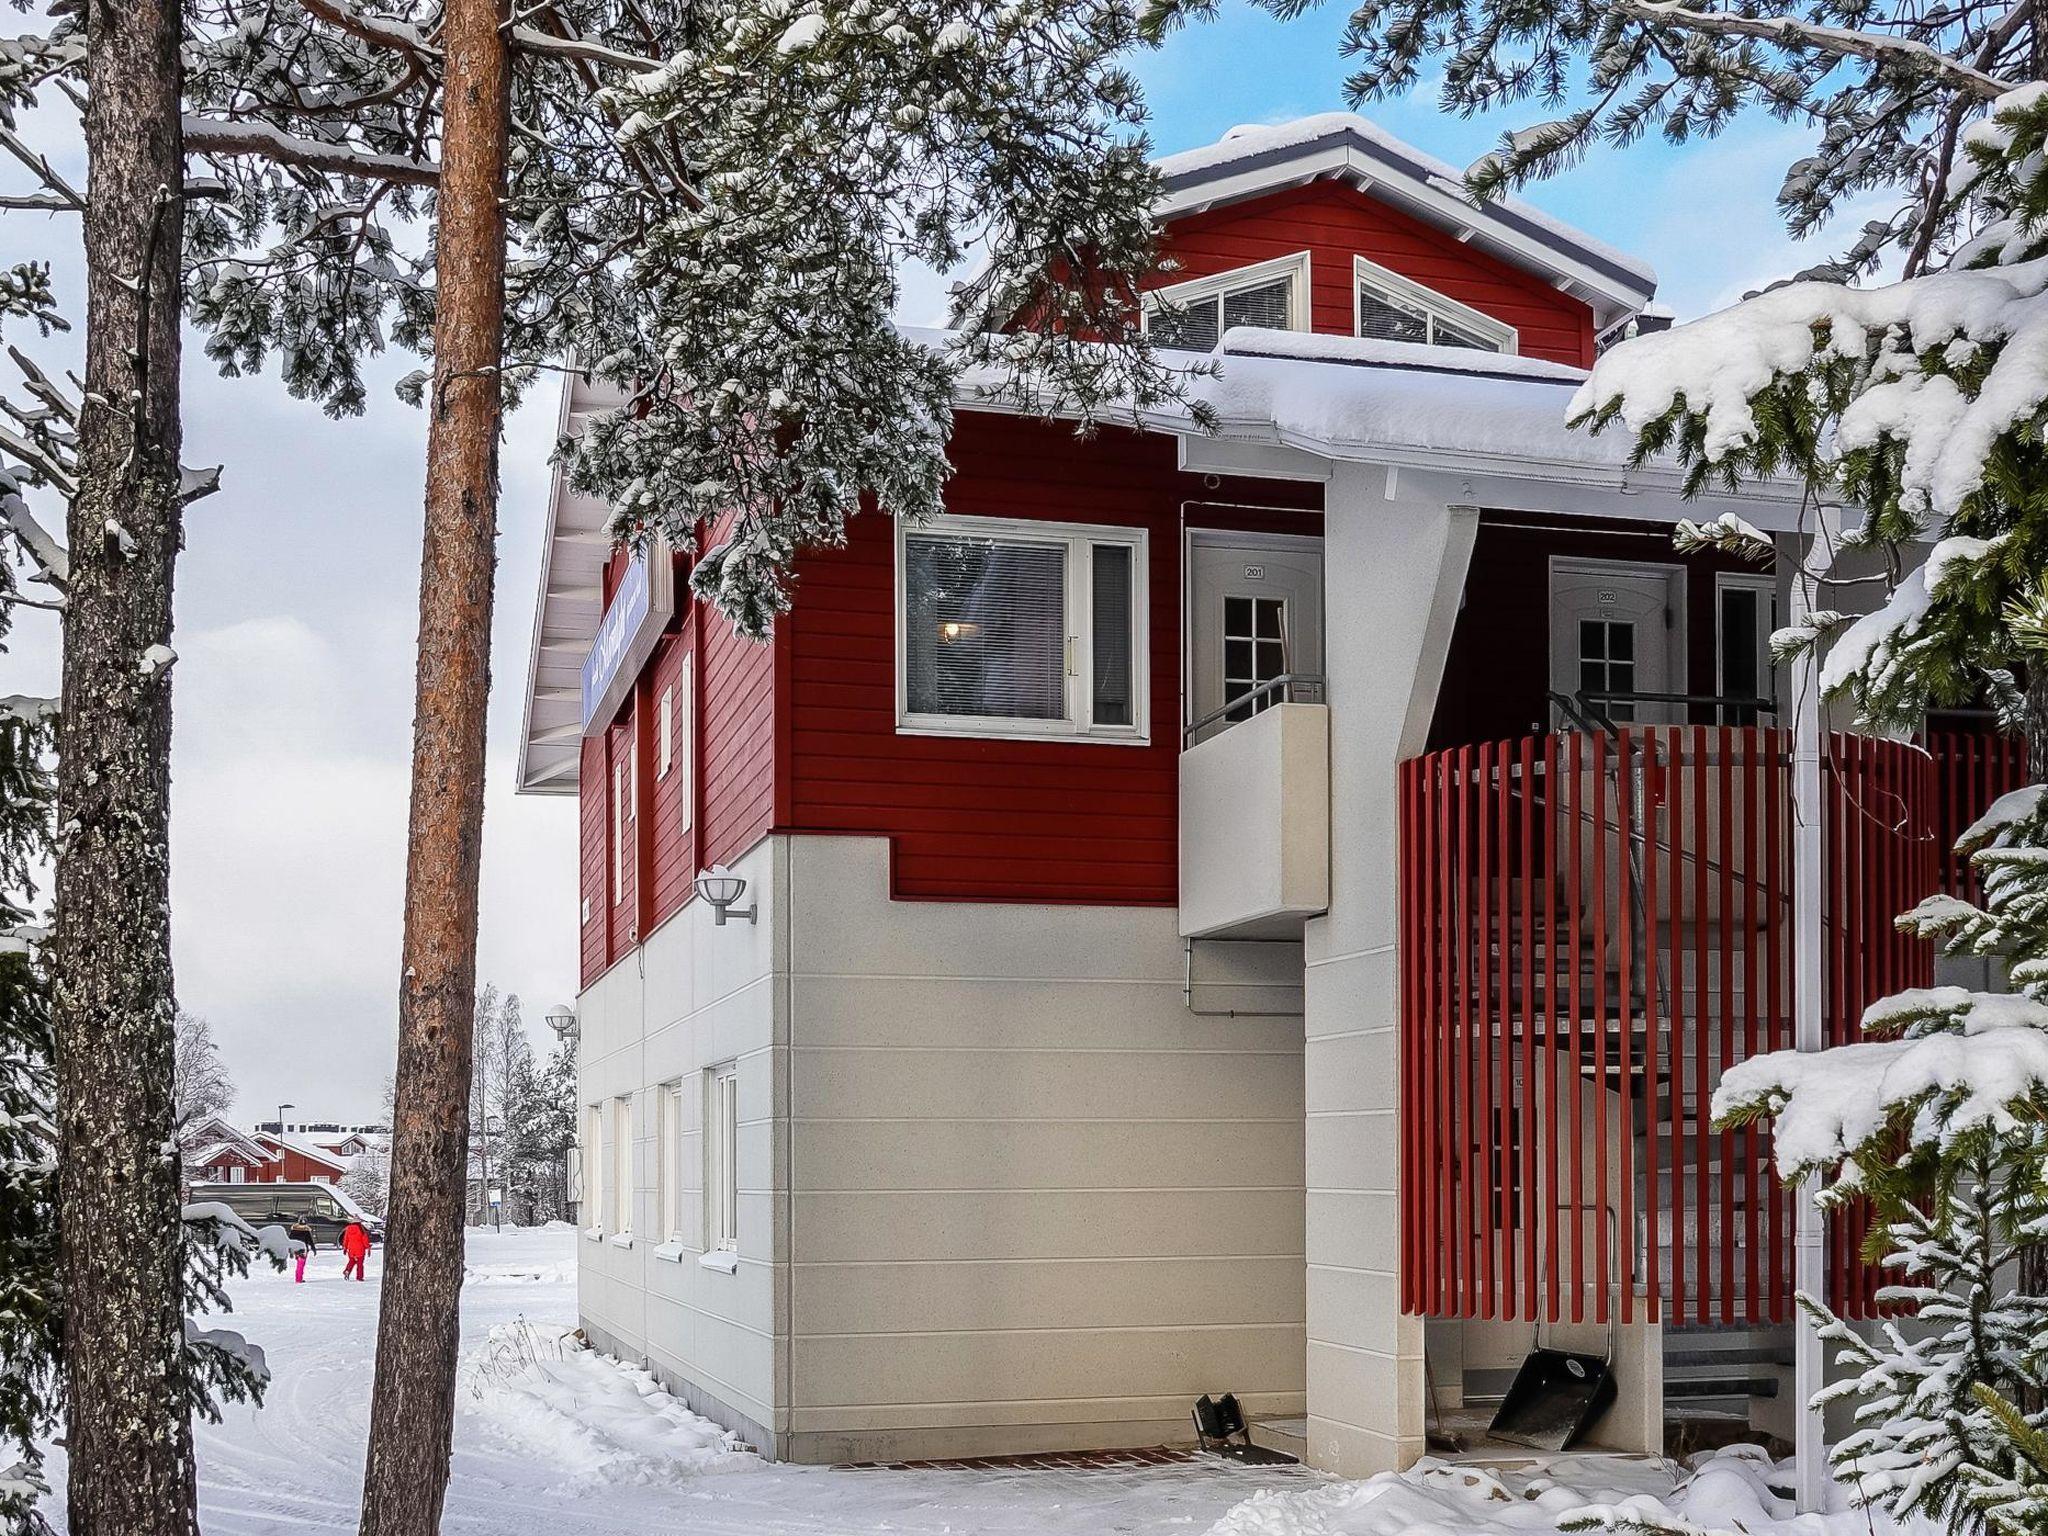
280, 1118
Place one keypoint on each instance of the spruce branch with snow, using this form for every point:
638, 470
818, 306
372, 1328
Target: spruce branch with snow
1940, 1118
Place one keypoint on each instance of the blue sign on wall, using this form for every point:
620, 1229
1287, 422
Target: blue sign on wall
639, 612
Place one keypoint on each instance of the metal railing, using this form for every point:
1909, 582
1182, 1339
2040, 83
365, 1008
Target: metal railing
1590, 708
1287, 688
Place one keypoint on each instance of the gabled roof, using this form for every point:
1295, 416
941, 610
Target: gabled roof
305, 1149
1253, 161
215, 1133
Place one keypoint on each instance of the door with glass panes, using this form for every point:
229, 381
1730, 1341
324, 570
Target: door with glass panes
1255, 608
1616, 629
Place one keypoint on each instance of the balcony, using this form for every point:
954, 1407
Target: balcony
1255, 815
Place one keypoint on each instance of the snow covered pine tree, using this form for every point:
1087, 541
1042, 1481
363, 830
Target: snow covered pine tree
1923, 402
709, 202
218, 1365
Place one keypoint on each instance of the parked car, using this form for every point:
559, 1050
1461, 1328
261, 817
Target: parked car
321, 1206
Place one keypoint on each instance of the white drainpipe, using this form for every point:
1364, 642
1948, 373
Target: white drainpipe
1808, 872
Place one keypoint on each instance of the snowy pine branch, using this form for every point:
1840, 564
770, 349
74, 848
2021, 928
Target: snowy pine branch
1906, 53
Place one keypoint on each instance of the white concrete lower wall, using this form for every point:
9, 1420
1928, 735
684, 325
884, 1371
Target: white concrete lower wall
1038, 1203
1001, 1191
696, 996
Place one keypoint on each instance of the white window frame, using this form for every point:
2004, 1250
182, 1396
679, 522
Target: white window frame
721, 1158
592, 1195
1078, 721
1410, 294
1766, 588
1179, 295
622, 797
621, 1181
664, 733
669, 1162
686, 743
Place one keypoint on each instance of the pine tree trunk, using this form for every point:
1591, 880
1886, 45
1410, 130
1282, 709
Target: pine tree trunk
412, 1409
128, 1427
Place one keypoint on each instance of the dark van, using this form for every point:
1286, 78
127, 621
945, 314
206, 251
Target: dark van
320, 1206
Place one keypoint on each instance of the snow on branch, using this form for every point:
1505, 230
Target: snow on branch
378, 31
1727, 533
1714, 370
49, 556
1829, 1105
27, 708
533, 40
1789, 32
209, 136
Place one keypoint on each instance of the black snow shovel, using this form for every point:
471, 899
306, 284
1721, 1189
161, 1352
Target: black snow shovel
1557, 1395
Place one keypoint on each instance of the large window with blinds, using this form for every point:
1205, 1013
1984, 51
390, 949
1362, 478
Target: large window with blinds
1394, 308
1193, 316
1021, 629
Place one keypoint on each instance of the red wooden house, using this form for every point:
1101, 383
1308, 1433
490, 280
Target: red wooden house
1254, 911
217, 1152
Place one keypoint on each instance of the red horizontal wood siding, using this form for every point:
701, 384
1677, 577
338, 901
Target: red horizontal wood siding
736, 739
592, 776
974, 819
671, 838
1334, 222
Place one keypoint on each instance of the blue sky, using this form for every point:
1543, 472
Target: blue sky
297, 595
1703, 214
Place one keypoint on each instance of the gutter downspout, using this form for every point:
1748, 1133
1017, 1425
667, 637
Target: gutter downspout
1808, 874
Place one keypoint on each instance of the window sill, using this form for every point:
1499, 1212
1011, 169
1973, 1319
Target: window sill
622, 1240
593, 1234
924, 726
725, 1260
671, 1252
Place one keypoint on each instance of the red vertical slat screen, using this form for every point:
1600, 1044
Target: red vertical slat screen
1594, 929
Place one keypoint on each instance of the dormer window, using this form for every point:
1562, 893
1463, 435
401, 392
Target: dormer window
1394, 308
1193, 316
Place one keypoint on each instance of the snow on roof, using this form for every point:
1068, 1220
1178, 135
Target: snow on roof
216, 1133
1250, 149
1440, 407
1310, 346
309, 1149
1371, 406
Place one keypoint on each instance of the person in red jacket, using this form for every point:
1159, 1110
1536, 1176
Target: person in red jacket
355, 1242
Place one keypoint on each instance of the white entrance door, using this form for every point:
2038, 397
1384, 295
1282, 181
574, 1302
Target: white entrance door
1617, 628
1255, 613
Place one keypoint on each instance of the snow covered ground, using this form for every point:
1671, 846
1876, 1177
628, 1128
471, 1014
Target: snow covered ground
551, 1440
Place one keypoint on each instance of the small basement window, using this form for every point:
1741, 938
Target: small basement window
1394, 308
1021, 629
1193, 316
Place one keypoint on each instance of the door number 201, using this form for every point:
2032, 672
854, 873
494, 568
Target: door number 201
1255, 573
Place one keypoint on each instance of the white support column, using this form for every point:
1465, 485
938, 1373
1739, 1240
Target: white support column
1393, 573
1808, 872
